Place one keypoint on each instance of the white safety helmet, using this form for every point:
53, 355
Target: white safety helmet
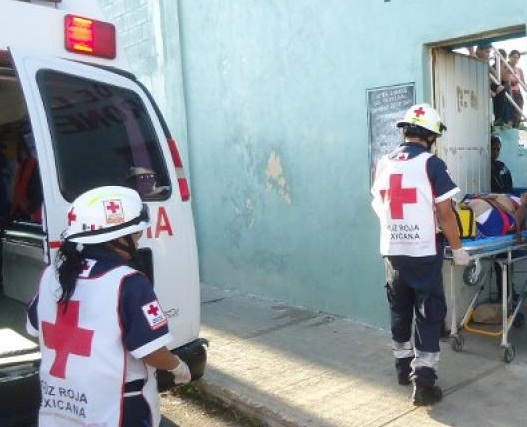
104, 214
423, 115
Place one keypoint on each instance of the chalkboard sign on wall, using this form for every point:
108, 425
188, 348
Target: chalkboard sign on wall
386, 105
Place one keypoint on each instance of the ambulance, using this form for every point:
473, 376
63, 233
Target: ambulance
73, 118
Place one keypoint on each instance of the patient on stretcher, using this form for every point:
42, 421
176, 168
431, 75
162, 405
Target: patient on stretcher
497, 214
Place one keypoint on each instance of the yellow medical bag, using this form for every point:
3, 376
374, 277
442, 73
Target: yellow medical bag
466, 221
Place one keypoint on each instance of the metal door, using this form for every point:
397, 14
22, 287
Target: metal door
461, 95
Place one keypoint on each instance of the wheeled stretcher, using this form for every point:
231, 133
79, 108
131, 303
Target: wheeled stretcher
505, 251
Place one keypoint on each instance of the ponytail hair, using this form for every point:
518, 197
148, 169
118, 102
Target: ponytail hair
68, 265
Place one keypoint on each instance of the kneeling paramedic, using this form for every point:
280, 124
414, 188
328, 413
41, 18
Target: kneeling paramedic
412, 192
101, 329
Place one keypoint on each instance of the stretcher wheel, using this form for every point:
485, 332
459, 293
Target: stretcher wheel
519, 321
457, 342
473, 274
509, 353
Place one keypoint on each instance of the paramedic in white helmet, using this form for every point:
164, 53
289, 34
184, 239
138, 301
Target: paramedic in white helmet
101, 329
412, 194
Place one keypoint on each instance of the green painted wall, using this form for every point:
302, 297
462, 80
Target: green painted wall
514, 156
268, 100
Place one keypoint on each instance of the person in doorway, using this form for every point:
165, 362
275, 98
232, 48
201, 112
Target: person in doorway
500, 175
412, 191
101, 329
498, 89
517, 78
503, 109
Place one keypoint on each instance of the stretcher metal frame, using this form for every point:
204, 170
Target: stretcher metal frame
488, 249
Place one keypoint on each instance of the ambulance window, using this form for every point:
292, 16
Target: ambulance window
102, 135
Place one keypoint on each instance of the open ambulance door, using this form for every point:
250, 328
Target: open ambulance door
461, 95
91, 127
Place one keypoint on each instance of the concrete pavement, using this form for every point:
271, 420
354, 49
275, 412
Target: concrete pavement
289, 366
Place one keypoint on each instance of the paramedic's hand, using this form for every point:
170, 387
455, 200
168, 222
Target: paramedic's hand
181, 373
461, 257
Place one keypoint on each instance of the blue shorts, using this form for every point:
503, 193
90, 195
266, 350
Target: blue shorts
498, 223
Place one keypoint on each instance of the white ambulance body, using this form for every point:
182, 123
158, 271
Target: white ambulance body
65, 103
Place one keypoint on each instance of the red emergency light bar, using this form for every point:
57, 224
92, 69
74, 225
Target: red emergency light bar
89, 37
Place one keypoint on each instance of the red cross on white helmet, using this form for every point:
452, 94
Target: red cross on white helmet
106, 213
423, 115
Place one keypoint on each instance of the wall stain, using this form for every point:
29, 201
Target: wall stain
245, 213
275, 178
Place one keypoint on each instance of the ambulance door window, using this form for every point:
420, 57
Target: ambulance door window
22, 196
102, 135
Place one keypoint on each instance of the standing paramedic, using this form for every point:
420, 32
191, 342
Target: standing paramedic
412, 194
101, 329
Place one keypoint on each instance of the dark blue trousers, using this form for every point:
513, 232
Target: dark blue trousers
136, 409
415, 291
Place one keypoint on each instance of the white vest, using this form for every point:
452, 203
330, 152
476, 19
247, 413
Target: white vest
404, 202
84, 366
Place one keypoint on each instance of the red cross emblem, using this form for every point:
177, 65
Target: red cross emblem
71, 217
397, 196
113, 207
65, 337
419, 112
153, 310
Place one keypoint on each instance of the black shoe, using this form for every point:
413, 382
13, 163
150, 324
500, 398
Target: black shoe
426, 395
403, 370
